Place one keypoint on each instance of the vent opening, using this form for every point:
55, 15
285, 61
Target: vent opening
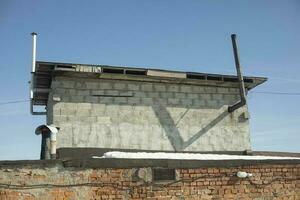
135, 72
196, 76
230, 79
248, 80
65, 66
214, 78
164, 174
113, 70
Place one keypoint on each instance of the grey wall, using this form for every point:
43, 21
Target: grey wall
145, 115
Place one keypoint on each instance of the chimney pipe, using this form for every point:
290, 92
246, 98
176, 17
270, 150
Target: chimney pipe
243, 100
33, 68
48, 145
33, 51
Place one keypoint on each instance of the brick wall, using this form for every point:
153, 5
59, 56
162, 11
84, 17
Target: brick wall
58, 183
146, 115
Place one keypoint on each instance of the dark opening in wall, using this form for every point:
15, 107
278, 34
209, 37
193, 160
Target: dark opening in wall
65, 66
135, 72
160, 174
196, 76
231, 79
247, 80
113, 70
214, 78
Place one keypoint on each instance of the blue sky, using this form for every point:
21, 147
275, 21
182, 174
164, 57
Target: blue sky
175, 35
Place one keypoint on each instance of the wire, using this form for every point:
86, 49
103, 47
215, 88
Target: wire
12, 102
276, 93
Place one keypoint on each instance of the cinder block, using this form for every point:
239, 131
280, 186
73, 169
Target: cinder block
71, 91
222, 90
83, 105
120, 100
167, 95
186, 88
212, 103
147, 87
97, 92
234, 90
67, 111
106, 100
111, 92
91, 99
104, 120
133, 86
152, 94
160, 88
217, 96
205, 96
192, 96
68, 84
173, 88
147, 101
83, 112
98, 109
134, 100
105, 85
198, 102
56, 83
140, 94
80, 85
180, 95
186, 102
76, 98
173, 101
198, 88
211, 90
60, 90
92, 85
160, 101
83, 92
126, 93
120, 86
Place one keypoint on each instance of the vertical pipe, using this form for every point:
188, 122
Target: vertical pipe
32, 71
242, 102
33, 68
45, 146
33, 51
53, 145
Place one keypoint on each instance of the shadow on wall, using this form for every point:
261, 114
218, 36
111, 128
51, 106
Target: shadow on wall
172, 131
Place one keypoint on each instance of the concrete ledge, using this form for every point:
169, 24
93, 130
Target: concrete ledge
77, 153
137, 163
30, 163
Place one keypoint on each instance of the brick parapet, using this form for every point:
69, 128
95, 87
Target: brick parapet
274, 181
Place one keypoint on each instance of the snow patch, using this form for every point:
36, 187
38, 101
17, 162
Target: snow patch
187, 156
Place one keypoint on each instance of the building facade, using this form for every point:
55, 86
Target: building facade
145, 109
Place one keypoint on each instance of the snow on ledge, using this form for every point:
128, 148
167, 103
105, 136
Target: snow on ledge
187, 156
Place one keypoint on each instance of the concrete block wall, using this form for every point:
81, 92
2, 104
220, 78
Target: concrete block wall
146, 115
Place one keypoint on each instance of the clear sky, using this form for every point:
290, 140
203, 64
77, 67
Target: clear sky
176, 35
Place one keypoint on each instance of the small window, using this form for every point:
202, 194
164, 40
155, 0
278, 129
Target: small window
164, 175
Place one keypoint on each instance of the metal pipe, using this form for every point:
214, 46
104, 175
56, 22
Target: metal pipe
33, 51
53, 145
48, 146
33, 68
243, 100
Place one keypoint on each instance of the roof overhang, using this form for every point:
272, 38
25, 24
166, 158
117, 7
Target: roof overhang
46, 70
